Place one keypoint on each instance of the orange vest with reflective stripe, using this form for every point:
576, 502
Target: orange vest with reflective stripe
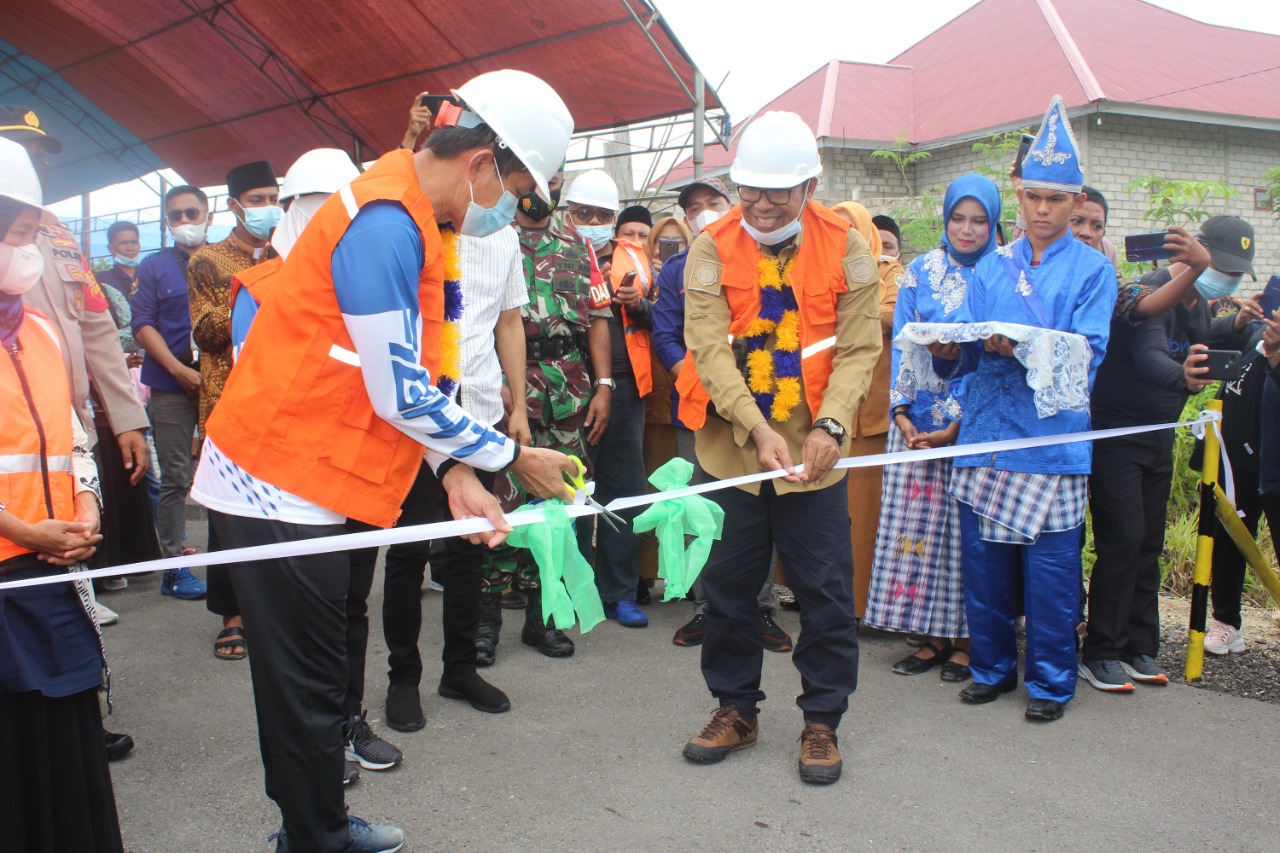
256, 279
630, 256
295, 412
24, 490
817, 278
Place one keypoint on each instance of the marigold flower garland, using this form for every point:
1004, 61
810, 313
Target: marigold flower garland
451, 333
774, 378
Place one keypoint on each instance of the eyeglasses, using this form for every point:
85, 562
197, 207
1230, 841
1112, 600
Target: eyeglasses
195, 214
753, 194
588, 215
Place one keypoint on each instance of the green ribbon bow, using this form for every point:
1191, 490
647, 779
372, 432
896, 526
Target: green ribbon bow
568, 583
677, 520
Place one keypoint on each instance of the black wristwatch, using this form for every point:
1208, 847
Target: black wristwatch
831, 427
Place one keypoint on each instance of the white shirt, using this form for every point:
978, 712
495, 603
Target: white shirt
492, 282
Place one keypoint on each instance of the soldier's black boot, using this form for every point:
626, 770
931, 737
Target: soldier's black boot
488, 629
537, 633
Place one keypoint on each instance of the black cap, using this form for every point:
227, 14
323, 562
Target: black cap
21, 124
250, 176
887, 223
634, 213
1230, 243
714, 184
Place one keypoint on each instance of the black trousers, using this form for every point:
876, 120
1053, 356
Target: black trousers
363, 562
810, 529
1227, 583
1129, 495
456, 564
295, 611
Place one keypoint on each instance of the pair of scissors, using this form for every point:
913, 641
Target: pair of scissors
583, 495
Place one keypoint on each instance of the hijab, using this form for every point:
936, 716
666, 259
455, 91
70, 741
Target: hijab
863, 225
982, 190
11, 310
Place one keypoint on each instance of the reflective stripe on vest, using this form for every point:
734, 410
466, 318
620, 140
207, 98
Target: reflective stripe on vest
29, 463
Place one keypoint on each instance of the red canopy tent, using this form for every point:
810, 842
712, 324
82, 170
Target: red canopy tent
203, 85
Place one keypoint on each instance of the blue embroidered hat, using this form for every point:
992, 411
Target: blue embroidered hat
1053, 163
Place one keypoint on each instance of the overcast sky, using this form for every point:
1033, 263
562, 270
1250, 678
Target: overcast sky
766, 46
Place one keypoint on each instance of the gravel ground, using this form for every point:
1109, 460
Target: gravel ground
1252, 675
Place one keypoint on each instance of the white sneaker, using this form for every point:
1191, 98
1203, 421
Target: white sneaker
1223, 639
115, 584
105, 615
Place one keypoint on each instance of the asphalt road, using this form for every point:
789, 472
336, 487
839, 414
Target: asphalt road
588, 759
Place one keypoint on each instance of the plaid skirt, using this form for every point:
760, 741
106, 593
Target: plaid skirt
916, 583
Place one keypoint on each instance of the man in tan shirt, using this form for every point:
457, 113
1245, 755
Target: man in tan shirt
784, 260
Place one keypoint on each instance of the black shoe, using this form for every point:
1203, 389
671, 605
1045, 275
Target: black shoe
642, 591
1044, 710
487, 630
692, 632
956, 672
774, 638
513, 600
118, 746
914, 664
541, 636
482, 695
404, 708
981, 694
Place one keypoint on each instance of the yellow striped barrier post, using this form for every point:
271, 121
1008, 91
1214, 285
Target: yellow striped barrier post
1204, 552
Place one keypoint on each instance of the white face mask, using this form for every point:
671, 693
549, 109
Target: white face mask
773, 238
20, 268
703, 219
188, 234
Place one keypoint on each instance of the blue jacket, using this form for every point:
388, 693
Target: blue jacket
161, 301
668, 321
1077, 286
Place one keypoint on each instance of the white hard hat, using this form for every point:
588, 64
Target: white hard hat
776, 151
321, 170
528, 116
18, 179
594, 189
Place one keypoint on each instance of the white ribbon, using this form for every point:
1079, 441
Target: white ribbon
445, 529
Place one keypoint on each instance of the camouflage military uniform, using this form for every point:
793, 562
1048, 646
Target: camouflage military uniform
557, 268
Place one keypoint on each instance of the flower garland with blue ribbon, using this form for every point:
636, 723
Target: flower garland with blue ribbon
451, 333
774, 377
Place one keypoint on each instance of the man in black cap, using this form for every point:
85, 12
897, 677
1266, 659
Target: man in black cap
252, 197
890, 235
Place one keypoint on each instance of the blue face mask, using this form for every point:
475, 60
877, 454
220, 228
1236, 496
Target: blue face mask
259, 221
1213, 284
596, 235
483, 221
122, 261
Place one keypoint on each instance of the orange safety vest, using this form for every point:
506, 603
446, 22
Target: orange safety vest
43, 405
257, 279
817, 278
295, 413
628, 256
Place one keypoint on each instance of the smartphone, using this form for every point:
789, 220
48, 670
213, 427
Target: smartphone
1270, 298
1146, 247
1223, 364
667, 246
1024, 148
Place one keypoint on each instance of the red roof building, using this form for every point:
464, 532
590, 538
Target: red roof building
1148, 91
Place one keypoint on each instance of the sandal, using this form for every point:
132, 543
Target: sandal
914, 665
952, 671
230, 638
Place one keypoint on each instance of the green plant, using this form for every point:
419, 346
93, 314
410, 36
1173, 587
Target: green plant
902, 157
920, 220
1271, 178
1176, 202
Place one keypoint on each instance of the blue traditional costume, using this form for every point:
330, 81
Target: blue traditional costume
916, 580
1022, 511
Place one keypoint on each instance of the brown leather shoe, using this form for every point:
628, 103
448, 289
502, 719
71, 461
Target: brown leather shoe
727, 732
820, 762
